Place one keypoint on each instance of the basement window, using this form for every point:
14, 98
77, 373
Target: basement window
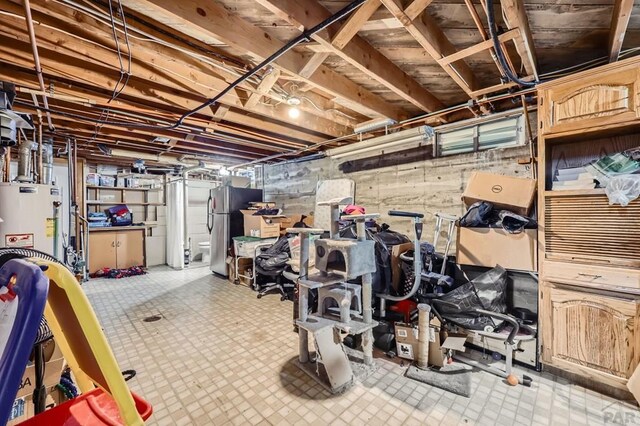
497, 133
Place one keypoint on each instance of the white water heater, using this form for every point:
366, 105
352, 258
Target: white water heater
31, 217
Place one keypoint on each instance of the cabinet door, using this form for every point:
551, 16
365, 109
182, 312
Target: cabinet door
130, 249
590, 334
592, 101
102, 250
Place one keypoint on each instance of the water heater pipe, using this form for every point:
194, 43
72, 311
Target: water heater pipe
36, 58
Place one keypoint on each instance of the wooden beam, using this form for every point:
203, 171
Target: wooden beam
431, 37
357, 52
263, 88
127, 105
214, 21
64, 26
353, 24
219, 112
516, 17
477, 48
416, 8
160, 67
619, 22
311, 66
63, 67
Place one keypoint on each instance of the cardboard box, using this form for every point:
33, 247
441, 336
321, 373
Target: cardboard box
23, 408
245, 270
407, 343
494, 246
261, 226
54, 363
504, 192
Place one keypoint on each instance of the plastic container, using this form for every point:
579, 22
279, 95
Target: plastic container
93, 179
107, 181
92, 408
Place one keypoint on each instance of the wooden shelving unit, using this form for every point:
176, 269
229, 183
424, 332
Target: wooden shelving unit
588, 249
93, 201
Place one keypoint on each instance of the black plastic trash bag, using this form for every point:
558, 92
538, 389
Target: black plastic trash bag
487, 292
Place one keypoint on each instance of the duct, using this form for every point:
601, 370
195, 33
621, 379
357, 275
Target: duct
47, 163
186, 243
3, 153
24, 161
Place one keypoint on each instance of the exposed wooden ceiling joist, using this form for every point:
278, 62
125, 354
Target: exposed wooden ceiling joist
426, 31
619, 22
516, 17
352, 25
214, 21
356, 52
263, 88
158, 63
63, 66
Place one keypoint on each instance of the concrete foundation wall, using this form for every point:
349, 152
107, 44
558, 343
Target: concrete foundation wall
430, 186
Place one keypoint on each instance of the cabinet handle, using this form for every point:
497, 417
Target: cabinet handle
119, 244
113, 243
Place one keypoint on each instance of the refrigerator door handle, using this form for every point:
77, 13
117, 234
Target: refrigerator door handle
210, 215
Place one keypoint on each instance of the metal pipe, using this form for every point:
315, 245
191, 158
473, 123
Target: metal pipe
36, 58
7, 165
24, 159
40, 153
71, 192
186, 243
3, 153
46, 163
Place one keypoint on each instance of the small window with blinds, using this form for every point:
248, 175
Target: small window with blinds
501, 133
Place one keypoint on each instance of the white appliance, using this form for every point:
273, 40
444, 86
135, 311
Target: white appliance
31, 217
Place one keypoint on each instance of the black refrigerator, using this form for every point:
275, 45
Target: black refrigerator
225, 221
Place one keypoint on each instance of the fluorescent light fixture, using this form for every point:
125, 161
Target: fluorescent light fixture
376, 123
392, 142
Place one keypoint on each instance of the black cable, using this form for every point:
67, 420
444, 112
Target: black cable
497, 47
126, 40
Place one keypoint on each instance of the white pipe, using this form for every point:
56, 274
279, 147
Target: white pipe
36, 58
186, 245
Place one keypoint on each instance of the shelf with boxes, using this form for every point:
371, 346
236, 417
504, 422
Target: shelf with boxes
588, 248
121, 244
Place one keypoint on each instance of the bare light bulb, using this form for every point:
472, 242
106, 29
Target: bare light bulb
294, 112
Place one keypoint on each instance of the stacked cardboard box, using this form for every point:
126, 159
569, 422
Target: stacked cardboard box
494, 246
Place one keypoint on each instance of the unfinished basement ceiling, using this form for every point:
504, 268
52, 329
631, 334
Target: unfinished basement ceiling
183, 53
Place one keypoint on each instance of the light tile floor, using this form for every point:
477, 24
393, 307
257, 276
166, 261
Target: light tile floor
220, 356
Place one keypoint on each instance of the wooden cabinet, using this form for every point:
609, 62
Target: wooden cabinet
589, 251
591, 334
605, 96
117, 248
102, 250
